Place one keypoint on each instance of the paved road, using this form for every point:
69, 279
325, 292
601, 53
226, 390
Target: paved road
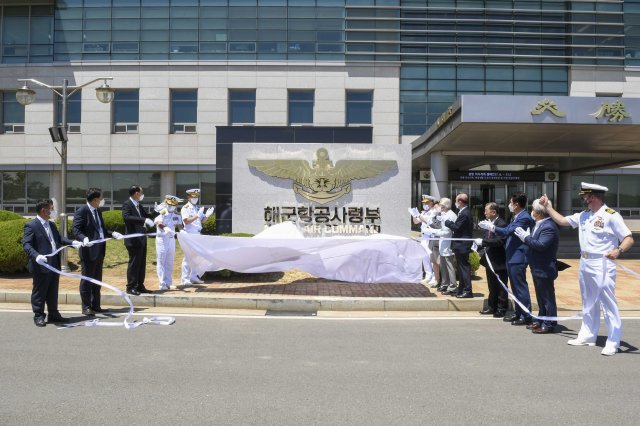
287, 371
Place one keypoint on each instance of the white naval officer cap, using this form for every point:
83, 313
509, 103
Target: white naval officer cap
592, 188
172, 200
426, 198
195, 192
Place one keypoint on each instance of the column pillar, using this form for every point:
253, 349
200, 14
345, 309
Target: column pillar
168, 184
564, 194
439, 175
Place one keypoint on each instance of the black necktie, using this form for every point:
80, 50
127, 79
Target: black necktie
95, 217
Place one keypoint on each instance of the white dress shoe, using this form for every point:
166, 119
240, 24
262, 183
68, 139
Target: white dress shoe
196, 280
609, 349
580, 342
186, 284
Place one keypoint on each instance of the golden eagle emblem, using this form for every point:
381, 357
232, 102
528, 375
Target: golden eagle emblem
321, 181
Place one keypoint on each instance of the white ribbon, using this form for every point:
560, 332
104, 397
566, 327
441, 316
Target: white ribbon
543, 317
156, 320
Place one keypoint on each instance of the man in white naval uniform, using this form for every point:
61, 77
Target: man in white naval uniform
603, 238
426, 219
192, 218
166, 223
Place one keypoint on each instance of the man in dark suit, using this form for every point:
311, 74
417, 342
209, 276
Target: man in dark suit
462, 228
41, 237
89, 226
543, 246
135, 218
494, 248
516, 253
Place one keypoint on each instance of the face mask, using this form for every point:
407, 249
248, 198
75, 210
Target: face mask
511, 209
194, 201
425, 207
101, 203
141, 198
458, 206
54, 215
171, 209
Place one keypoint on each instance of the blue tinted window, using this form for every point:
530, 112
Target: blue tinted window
359, 104
301, 106
74, 114
12, 111
184, 107
242, 106
125, 106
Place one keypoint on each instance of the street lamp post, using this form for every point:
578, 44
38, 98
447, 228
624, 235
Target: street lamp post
26, 96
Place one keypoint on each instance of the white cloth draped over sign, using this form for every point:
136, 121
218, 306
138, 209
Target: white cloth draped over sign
372, 259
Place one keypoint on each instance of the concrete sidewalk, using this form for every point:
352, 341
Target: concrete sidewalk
304, 293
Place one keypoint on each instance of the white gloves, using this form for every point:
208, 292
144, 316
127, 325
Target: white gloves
41, 259
148, 222
521, 233
485, 224
86, 242
201, 212
117, 235
478, 242
76, 244
169, 232
209, 212
413, 211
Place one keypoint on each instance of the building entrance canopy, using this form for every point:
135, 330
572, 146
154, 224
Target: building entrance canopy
533, 133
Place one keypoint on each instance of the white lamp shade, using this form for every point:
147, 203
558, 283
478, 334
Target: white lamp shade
25, 96
105, 94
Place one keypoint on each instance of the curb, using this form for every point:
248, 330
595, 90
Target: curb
278, 304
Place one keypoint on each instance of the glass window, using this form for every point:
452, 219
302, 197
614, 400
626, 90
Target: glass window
184, 110
301, 106
206, 181
242, 106
12, 113
37, 186
74, 110
126, 110
359, 105
150, 183
13, 187
629, 190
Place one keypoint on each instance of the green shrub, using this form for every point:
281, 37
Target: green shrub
209, 227
113, 221
12, 256
474, 262
7, 215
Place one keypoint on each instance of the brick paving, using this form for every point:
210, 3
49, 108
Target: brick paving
296, 284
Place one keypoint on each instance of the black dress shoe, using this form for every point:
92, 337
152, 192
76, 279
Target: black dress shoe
39, 322
57, 319
522, 321
144, 290
499, 314
88, 312
487, 311
99, 310
542, 330
533, 326
465, 295
133, 291
510, 318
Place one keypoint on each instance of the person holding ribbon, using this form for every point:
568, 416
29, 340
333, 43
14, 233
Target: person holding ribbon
41, 239
135, 219
88, 226
543, 245
426, 220
193, 218
166, 223
603, 238
447, 267
516, 254
462, 229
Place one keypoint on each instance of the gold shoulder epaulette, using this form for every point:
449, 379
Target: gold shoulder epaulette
610, 211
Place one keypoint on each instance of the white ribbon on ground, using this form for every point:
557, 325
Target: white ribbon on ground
127, 323
543, 317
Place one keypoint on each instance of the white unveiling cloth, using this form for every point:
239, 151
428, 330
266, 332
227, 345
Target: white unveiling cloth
378, 258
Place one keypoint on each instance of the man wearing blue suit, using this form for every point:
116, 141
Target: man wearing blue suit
543, 246
41, 237
516, 252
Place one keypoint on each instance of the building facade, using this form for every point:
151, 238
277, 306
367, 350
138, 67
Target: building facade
183, 69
